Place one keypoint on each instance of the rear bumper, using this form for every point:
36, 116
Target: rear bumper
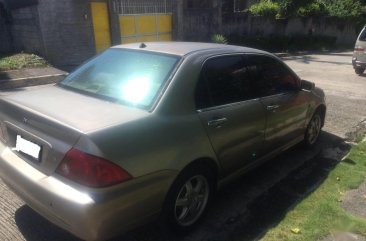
90, 215
358, 64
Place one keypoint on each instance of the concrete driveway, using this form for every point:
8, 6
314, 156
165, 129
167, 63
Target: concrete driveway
245, 209
345, 91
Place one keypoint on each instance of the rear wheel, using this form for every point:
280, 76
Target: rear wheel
359, 70
188, 198
313, 130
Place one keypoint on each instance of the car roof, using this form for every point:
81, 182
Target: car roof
186, 48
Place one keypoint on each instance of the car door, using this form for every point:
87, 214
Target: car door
286, 105
234, 121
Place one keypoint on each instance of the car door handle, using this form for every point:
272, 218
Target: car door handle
217, 123
272, 107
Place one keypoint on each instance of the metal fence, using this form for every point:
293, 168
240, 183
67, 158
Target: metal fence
142, 6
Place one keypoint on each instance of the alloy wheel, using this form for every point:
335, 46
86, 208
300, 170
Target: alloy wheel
191, 200
314, 129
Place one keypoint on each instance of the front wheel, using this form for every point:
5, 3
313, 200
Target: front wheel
313, 130
188, 199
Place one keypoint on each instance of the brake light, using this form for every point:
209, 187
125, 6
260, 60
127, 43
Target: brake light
359, 49
91, 171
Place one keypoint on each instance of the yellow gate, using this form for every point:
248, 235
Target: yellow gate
100, 18
145, 27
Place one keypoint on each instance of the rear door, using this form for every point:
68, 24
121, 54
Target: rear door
234, 120
286, 105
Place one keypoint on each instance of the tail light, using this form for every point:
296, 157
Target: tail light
359, 49
91, 171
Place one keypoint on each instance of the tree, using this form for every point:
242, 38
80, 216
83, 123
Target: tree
289, 7
344, 8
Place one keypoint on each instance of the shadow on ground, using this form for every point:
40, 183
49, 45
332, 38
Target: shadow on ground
243, 210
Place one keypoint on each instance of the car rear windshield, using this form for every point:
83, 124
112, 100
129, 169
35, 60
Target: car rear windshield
363, 35
133, 78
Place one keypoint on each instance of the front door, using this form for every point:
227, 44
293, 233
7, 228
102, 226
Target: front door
286, 105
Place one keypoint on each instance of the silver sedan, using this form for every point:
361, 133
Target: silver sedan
146, 131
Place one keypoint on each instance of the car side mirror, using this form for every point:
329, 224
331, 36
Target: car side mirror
307, 85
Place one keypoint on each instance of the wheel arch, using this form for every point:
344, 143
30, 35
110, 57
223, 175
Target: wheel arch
203, 162
321, 109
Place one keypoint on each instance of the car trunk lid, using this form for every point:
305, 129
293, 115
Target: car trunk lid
53, 119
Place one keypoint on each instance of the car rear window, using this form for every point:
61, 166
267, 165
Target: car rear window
130, 77
362, 35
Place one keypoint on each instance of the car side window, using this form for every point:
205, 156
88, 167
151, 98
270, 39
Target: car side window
223, 80
270, 76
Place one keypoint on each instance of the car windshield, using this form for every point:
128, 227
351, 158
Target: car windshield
133, 78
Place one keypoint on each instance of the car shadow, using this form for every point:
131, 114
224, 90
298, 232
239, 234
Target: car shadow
242, 210
34, 227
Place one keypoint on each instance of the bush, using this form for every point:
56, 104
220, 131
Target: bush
312, 9
351, 9
265, 8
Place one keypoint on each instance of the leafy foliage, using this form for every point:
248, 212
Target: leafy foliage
265, 8
20, 61
287, 8
344, 8
312, 9
219, 39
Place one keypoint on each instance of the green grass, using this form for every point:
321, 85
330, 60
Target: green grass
20, 61
321, 213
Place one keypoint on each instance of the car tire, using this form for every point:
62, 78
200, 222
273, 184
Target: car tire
313, 130
359, 71
188, 198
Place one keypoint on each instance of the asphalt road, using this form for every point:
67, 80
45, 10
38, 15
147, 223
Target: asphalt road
245, 209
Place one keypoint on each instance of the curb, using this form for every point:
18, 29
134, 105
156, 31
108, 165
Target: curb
301, 53
30, 81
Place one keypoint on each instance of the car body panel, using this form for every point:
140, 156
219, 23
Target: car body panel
359, 54
238, 134
286, 118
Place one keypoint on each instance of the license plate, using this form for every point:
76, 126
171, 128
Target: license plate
27, 147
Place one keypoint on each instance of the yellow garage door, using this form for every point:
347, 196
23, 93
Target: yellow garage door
145, 27
100, 18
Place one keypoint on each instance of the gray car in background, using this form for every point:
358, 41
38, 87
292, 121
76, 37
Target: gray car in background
359, 54
146, 131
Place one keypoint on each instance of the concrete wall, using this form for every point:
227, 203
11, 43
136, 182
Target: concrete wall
59, 30
5, 35
201, 24
25, 29
245, 24
67, 30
